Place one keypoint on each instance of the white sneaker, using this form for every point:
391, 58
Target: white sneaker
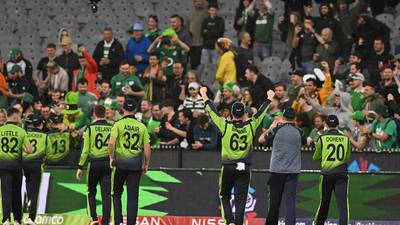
7, 223
30, 222
16, 223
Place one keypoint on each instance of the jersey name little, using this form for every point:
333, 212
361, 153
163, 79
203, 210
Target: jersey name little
9, 133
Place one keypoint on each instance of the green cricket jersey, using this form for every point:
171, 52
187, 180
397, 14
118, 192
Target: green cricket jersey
59, 145
169, 56
40, 145
12, 141
95, 142
130, 136
333, 149
237, 136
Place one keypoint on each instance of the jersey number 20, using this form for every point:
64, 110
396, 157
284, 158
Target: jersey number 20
335, 151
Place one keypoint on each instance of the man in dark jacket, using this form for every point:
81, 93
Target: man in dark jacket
327, 19
377, 59
108, 54
68, 60
259, 85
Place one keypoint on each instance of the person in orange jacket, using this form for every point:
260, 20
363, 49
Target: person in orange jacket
88, 71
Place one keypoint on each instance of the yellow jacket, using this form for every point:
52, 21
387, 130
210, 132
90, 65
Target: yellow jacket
226, 69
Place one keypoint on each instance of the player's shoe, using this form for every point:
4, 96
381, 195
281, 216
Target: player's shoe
30, 222
7, 223
17, 223
94, 223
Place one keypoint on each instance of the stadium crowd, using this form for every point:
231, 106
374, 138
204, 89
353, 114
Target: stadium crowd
341, 64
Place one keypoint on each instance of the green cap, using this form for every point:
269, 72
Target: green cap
14, 52
169, 32
229, 86
28, 98
111, 104
358, 116
16, 68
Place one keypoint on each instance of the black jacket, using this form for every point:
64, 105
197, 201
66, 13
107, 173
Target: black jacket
116, 55
258, 90
211, 30
28, 69
69, 62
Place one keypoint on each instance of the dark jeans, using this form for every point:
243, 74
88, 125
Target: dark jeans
337, 183
11, 182
132, 179
282, 184
230, 178
99, 172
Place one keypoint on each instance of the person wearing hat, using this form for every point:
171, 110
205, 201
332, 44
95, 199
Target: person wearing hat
112, 113
19, 85
136, 50
87, 70
226, 69
359, 136
228, 97
194, 101
297, 86
74, 118
95, 150
356, 91
17, 58
59, 140
333, 149
383, 129
129, 152
237, 144
68, 59
14, 140
169, 49
32, 163
285, 165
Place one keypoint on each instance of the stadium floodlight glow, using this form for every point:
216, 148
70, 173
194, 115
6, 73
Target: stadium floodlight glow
93, 5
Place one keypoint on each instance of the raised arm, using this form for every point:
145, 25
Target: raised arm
212, 110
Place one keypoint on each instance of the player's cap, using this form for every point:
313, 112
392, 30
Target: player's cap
54, 118
289, 113
237, 109
34, 119
130, 105
332, 121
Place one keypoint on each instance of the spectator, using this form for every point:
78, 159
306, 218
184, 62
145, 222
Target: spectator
274, 112
396, 63
3, 117
319, 129
264, 22
153, 31
388, 84
166, 136
297, 6
245, 17
377, 59
175, 89
226, 68
244, 58
3, 91
383, 129
305, 43
247, 99
297, 84
192, 77
177, 24
105, 91
327, 20
194, 101
356, 91
195, 20
56, 99
87, 70
58, 77
154, 123
136, 50
372, 100
40, 76
205, 134
74, 119
86, 99
342, 70
327, 49
228, 98
126, 83
154, 80
68, 59
18, 85
359, 136
184, 130
169, 49
145, 112
281, 94
64, 32
212, 28
259, 85
17, 58
108, 54
112, 113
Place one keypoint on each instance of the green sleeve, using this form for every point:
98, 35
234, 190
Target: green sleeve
86, 148
218, 121
138, 84
113, 89
390, 129
259, 116
318, 148
81, 121
114, 131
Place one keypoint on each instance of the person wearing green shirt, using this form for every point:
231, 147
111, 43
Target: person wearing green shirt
126, 83
59, 140
153, 124
13, 140
237, 144
95, 147
129, 151
357, 91
383, 129
32, 163
86, 100
263, 31
333, 150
